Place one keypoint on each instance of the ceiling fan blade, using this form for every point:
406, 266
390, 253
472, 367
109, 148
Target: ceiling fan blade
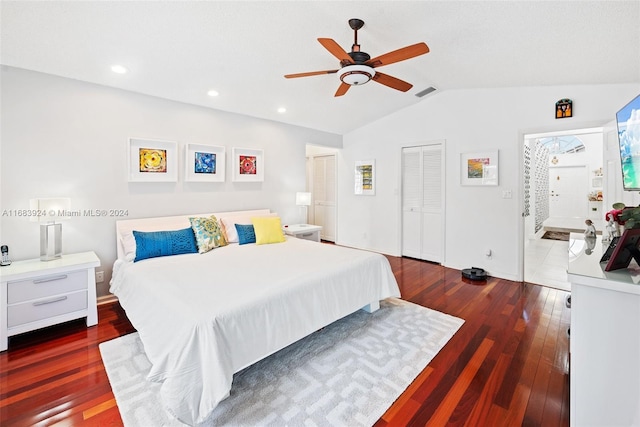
401, 54
342, 89
392, 82
335, 49
310, 73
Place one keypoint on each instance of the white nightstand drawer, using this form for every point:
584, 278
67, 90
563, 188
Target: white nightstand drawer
311, 235
45, 308
44, 286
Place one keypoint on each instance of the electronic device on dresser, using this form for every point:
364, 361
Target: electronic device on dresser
5, 256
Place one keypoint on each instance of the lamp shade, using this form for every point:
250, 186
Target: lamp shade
303, 199
49, 210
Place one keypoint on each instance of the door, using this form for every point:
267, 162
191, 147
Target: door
324, 195
568, 187
423, 202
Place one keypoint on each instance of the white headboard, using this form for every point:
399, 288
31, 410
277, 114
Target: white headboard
124, 228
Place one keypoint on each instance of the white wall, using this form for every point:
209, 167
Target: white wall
477, 218
65, 138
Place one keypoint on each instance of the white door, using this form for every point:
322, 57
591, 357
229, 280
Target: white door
568, 189
324, 195
423, 202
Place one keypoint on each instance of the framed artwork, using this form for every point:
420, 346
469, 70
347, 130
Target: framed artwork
564, 108
204, 163
365, 177
479, 168
248, 165
152, 160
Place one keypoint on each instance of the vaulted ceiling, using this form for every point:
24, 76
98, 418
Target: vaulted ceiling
180, 50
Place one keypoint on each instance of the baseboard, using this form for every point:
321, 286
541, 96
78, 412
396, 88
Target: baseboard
107, 299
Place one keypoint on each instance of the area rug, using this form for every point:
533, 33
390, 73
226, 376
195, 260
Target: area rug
556, 235
347, 374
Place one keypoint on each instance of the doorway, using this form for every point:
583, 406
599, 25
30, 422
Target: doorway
562, 188
321, 183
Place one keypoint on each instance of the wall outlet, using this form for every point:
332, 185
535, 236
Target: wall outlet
99, 276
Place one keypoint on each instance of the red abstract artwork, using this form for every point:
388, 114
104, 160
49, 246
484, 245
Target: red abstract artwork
248, 165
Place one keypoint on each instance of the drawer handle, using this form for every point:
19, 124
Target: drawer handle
50, 301
50, 279
307, 234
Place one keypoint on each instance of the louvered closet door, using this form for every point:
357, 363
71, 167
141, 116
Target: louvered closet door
324, 195
432, 203
422, 202
411, 202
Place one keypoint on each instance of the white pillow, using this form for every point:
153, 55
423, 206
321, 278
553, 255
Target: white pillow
229, 224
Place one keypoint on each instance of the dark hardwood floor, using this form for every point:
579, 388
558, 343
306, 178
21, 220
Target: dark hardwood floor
506, 366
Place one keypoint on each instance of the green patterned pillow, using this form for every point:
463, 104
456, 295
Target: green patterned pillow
208, 233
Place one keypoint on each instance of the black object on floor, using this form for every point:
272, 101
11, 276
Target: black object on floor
474, 273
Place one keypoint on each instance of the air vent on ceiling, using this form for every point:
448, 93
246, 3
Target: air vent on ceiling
427, 91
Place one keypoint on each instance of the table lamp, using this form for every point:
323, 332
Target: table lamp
303, 199
49, 214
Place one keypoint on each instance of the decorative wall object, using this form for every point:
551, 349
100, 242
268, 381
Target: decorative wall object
365, 174
479, 168
564, 108
152, 160
204, 163
248, 165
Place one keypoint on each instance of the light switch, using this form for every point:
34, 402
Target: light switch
506, 194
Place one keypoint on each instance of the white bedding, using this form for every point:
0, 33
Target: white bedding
202, 317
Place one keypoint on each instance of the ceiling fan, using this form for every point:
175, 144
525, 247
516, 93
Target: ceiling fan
357, 67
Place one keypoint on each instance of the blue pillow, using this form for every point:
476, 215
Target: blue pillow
164, 243
246, 234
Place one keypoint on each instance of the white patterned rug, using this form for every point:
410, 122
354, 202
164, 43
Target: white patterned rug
347, 374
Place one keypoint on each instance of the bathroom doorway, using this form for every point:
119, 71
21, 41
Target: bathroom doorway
563, 187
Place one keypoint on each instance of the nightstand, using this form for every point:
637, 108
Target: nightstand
304, 231
35, 294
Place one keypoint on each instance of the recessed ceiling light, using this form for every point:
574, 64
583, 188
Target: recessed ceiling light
282, 110
118, 69
213, 93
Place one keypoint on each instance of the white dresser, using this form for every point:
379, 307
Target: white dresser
35, 294
605, 339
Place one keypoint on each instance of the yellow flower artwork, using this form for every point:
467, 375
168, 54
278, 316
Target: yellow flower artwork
153, 160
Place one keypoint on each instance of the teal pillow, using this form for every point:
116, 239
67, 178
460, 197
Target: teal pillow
246, 234
151, 244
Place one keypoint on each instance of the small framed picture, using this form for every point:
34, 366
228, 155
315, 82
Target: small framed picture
248, 165
204, 163
479, 168
564, 108
365, 178
152, 160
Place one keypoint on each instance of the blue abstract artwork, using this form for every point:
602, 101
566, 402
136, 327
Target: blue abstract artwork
205, 163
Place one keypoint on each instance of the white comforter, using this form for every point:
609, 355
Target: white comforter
202, 317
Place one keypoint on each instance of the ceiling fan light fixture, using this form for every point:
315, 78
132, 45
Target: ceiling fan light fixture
356, 74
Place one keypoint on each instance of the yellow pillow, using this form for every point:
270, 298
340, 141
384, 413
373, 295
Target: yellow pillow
268, 230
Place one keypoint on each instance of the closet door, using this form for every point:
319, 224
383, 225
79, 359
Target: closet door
432, 203
324, 195
423, 202
411, 202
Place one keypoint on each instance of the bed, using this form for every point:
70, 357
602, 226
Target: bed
204, 316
